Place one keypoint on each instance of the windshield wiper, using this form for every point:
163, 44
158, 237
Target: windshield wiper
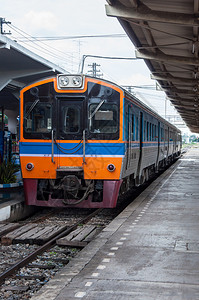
97, 108
32, 107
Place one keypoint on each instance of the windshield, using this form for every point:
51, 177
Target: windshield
70, 118
38, 117
104, 119
96, 109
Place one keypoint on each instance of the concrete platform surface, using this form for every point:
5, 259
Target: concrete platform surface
150, 251
12, 204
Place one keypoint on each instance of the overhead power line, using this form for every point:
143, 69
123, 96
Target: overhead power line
73, 37
37, 43
81, 66
144, 86
49, 50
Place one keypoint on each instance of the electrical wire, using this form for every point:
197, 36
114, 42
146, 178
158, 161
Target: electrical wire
58, 38
148, 87
63, 56
31, 39
109, 77
81, 65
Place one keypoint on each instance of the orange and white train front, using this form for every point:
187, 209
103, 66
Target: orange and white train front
71, 145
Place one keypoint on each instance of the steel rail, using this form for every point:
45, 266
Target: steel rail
44, 247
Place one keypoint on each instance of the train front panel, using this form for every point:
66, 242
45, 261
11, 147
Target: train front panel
71, 145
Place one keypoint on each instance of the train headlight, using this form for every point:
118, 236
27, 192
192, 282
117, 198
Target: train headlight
70, 81
77, 81
111, 168
63, 81
29, 166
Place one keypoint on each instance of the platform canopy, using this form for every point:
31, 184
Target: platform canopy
19, 67
166, 36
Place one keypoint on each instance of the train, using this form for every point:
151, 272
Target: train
86, 141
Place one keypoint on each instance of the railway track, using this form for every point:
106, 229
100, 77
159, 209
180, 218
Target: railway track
78, 228
44, 247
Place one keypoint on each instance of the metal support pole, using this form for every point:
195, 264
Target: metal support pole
84, 146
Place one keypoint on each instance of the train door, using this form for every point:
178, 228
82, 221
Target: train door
174, 142
168, 142
158, 137
128, 136
140, 144
70, 129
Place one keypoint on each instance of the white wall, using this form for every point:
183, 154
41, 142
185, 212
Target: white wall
12, 120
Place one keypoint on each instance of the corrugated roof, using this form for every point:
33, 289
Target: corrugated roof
165, 34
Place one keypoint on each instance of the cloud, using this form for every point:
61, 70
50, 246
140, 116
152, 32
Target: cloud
138, 79
40, 21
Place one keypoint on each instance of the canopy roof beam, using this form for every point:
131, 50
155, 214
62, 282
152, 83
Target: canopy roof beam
175, 79
142, 12
159, 56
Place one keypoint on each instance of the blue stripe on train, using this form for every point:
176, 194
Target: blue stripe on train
91, 148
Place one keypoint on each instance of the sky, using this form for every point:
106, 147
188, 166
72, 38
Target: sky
71, 18
48, 18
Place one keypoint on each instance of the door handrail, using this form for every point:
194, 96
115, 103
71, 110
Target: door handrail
52, 149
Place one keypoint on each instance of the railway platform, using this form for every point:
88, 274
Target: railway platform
12, 204
150, 251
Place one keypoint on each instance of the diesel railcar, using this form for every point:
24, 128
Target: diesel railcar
84, 141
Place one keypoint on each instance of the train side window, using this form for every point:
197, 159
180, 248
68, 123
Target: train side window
153, 135
166, 135
145, 131
171, 136
137, 128
149, 131
150, 135
162, 133
133, 127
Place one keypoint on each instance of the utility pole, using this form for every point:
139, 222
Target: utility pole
94, 72
2, 22
129, 88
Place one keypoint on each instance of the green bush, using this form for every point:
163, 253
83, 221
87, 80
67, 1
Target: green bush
7, 172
